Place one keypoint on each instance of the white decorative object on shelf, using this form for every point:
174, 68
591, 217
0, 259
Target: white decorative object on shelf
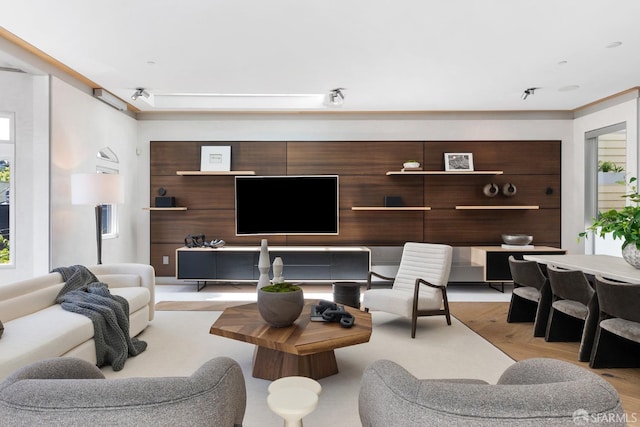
278, 266
215, 158
263, 265
411, 164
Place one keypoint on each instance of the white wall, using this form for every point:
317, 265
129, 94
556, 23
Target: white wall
27, 97
337, 128
80, 125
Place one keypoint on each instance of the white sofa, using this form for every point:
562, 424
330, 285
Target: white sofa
36, 328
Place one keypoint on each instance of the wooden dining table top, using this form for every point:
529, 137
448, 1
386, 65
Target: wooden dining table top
608, 266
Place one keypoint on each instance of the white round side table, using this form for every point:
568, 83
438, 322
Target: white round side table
292, 404
295, 381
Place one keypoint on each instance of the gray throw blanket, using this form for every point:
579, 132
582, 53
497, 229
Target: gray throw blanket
84, 294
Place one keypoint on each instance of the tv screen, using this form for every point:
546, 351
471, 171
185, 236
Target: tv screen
296, 204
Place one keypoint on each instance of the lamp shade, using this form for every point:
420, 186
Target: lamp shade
97, 189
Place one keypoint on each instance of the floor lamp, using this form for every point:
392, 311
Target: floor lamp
97, 189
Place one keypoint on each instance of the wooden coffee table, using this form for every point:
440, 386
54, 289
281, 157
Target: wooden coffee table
303, 349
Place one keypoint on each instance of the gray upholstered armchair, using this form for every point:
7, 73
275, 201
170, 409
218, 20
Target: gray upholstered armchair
70, 391
532, 392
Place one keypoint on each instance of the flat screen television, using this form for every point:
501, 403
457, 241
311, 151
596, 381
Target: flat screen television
292, 204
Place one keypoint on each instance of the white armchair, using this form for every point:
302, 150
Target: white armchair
420, 286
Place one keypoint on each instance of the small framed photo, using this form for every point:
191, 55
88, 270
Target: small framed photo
458, 162
215, 158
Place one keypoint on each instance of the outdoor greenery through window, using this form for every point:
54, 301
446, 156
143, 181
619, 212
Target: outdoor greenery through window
6, 186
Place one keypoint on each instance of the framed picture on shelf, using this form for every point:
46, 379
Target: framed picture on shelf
458, 162
215, 158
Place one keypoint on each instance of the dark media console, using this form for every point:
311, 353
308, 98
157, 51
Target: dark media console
301, 263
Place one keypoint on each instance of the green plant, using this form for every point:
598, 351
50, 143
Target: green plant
281, 287
4, 250
623, 224
607, 166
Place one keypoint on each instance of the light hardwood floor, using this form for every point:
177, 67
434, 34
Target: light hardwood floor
488, 319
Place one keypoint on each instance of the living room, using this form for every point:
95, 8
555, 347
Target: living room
61, 126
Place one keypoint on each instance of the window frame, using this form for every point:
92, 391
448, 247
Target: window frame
10, 157
110, 229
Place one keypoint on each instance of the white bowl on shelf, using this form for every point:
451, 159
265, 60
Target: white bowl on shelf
411, 164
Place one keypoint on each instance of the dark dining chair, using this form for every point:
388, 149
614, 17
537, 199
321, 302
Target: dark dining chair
617, 338
531, 295
573, 315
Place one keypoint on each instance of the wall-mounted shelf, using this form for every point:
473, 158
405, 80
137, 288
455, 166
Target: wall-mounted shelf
175, 208
233, 173
390, 208
497, 207
444, 173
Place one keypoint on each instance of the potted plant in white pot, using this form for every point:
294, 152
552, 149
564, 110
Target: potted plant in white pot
623, 224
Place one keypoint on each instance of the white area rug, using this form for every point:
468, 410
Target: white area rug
179, 342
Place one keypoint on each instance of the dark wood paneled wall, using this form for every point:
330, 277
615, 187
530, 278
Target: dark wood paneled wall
532, 166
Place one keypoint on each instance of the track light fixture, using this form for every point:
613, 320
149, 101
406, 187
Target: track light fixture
336, 97
139, 92
529, 91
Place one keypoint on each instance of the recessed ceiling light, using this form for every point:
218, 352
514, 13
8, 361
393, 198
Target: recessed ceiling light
568, 88
613, 44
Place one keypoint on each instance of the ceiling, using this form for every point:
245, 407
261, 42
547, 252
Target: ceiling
401, 55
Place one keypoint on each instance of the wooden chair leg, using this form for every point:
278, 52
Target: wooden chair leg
414, 324
445, 301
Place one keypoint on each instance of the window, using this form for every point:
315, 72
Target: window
606, 170
109, 212
7, 150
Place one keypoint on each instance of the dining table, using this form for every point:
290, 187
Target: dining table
607, 266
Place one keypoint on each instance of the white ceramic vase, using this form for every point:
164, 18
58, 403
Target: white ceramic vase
631, 254
263, 264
